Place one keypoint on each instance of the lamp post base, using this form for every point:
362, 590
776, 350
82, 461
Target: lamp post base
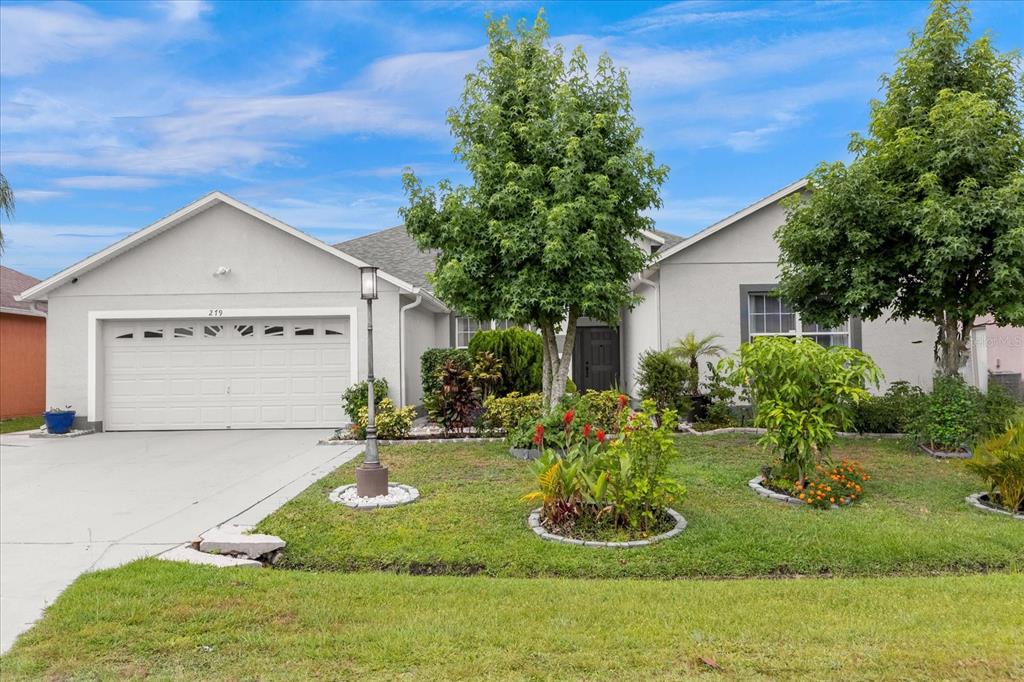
371, 481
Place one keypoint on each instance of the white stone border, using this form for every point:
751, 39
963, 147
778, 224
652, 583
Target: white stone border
411, 441
755, 485
401, 490
980, 502
533, 521
73, 433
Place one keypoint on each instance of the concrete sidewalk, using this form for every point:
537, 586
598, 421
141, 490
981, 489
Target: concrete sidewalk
72, 505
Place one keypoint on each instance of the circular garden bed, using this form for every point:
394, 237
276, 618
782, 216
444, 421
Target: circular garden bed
674, 517
398, 494
982, 502
757, 484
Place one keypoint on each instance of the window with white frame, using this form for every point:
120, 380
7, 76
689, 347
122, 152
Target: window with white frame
769, 315
466, 327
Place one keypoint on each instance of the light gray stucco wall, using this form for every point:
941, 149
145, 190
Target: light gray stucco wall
173, 271
639, 332
700, 292
424, 329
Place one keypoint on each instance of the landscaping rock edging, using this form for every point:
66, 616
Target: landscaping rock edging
73, 433
689, 431
942, 454
755, 485
981, 502
411, 441
533, 521
398, 494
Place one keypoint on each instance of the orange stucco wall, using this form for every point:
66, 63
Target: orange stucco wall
22, 365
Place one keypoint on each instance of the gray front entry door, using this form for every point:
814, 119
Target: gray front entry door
595, 359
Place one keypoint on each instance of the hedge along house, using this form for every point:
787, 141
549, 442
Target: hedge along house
219, 316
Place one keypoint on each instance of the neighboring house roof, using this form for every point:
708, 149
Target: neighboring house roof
13, 283
393, 250
669, 250
40, 290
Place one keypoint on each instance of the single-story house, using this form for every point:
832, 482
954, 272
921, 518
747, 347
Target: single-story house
22, 348
220, 316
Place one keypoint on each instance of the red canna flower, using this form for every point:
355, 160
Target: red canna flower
538, 434
569, 417
622, 401
586, 430
600, 435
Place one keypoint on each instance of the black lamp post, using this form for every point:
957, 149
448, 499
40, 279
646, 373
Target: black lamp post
371, 477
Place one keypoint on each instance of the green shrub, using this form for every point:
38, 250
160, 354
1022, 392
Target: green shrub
893, 412
392, 423
663, 378
719, 410
430, 373
521, 354
601, 409
512, 410
802, 393
950, 418
996, 410
1000, 461
354, 398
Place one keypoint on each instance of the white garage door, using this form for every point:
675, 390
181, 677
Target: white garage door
225, 374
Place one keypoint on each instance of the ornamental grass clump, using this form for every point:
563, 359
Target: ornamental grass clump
802, 394
593, 486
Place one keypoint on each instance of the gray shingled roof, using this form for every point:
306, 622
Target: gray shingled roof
13, 283
396, 253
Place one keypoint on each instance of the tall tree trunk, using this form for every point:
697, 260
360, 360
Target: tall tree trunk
556, 365
952, 343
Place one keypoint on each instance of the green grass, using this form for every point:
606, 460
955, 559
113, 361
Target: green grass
470, 520
163, 620
20, 424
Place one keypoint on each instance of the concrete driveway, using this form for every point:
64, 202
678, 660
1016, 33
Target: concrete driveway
78, 504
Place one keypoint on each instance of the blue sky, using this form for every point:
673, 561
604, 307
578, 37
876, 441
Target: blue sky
113, 115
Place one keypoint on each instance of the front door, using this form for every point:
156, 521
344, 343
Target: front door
595, 359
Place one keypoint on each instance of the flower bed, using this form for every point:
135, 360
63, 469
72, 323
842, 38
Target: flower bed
831, 488
676, 523
598, 490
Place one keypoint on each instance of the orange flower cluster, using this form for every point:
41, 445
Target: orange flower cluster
841, 485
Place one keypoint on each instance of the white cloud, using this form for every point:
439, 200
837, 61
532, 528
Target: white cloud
32, 196
41, 249
688, 13
183, 10
339, 217
107, 182
33, 37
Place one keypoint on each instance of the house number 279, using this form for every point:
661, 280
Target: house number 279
215, 312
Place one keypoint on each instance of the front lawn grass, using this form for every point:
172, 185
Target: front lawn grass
164, 620
20, 424
470, 520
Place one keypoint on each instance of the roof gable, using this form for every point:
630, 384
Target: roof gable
726, 222
39, 291
12, 283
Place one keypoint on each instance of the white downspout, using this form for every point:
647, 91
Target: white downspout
401, 347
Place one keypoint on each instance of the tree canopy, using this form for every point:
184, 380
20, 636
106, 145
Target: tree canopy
927, 220
550, 228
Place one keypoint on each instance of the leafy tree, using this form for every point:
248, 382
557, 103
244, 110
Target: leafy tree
6, 204
549, 229
928, 219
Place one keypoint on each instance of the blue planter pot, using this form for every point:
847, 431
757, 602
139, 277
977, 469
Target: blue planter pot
59, 422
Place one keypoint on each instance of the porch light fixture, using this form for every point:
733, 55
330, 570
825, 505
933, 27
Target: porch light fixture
368, 283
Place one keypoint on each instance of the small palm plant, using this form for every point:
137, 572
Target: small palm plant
691, 349
1000, 461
